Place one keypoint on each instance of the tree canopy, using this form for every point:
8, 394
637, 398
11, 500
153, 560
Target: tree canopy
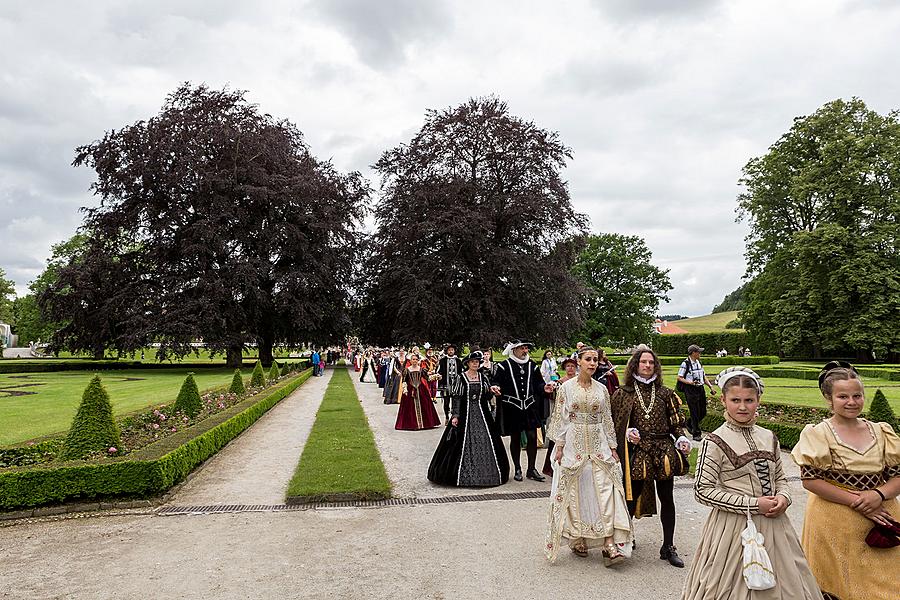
475, 235
824, 247
622, 289
216, 223
7, 291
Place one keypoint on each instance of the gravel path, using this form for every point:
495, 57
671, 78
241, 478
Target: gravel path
256, 467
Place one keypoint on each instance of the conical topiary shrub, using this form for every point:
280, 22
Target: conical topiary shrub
285, 369
237, 384
93, 428
188, 400
258, 377
880, 410
274, 373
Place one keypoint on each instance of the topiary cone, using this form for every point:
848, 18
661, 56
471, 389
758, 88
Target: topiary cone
274, 373
93, 428
188, 400
258, 378
285, 369
237, 384
880, 410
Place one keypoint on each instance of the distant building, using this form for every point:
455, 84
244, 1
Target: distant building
6, 336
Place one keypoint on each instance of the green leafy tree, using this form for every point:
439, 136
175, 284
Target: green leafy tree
188, 400
93, 429
237, 384
824, 246
623, 289
7, 292
880, 411
736, 300
258, 377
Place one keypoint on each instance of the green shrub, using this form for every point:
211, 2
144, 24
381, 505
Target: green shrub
286, 369
188, 400
620, 359
93, 428
237, 384
734, 324
151, 470
677, 344
881, 412
258, 377
274, 373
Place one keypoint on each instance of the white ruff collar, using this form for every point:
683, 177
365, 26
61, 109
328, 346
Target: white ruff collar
521, 361
642, 380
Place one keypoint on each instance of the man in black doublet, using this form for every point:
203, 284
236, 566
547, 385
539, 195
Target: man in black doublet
521, 404
449, 367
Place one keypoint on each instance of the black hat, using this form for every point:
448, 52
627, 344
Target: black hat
476, 355
450, 345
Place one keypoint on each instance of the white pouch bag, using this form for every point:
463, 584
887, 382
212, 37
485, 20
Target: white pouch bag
757, 568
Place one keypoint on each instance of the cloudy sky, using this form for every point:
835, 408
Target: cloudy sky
661, 101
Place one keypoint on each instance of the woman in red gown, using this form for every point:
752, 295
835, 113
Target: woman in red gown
416, 406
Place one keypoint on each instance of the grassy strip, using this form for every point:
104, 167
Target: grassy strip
147, 472
340, 460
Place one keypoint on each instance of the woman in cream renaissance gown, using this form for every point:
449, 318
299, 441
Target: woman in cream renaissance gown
587, 499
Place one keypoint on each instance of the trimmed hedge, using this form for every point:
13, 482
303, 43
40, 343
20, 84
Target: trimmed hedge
676, 344
258, 376
39, 365
881, 411
237, 384
149, 471
188, 400
93, 429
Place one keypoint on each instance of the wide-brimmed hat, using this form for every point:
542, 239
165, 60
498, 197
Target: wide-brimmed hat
568, 359
476, 355
516, 344
450, 345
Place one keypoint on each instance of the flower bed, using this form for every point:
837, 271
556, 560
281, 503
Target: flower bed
146, 471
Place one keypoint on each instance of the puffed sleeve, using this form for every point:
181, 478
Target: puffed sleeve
564, 422
812, 453
891, 451
606, 417
707, 481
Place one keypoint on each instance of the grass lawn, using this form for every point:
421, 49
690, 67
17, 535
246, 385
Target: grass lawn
52, 399
714, 323
340, 458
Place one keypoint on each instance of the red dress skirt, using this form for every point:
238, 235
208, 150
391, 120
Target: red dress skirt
416, 406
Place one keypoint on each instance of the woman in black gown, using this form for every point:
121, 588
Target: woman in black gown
471, 452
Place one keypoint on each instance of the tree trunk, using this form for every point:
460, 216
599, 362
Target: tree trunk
234, 357
265, 352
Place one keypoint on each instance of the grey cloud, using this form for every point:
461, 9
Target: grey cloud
381, 31
636, 10
605, 77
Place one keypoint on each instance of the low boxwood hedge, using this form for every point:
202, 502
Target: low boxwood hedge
149, 471
619, 359
38, 365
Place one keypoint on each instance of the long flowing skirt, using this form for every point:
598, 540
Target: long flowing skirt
716, 570
392, 389
368, 373
843, 564
417, 410
471, 454
587, 505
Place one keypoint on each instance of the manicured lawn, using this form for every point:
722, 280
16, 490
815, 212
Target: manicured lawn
340, 457
713, 323
52, 398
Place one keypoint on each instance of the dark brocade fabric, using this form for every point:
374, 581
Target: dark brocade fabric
472, 453
416, 407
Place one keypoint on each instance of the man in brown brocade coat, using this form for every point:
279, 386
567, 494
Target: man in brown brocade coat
648, 421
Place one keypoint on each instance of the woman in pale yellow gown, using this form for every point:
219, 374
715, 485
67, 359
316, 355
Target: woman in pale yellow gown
848, 464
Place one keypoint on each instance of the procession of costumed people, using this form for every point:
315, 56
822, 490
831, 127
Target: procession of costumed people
615, 446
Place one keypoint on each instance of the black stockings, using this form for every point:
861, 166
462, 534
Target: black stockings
665, 491
515, 446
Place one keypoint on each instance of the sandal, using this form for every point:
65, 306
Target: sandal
612, 555
580, 550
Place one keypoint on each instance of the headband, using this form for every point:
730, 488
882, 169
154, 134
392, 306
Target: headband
831, 366
730, 372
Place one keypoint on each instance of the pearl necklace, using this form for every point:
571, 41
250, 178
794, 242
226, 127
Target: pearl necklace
647, 408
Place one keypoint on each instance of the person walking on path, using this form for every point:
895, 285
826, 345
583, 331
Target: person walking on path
393, 386
520, 409
851, 468
570, 367
691, 381
548, 367
587, 499
471, 452
649, 422
316, 361
449, 367
416, 408
740, 476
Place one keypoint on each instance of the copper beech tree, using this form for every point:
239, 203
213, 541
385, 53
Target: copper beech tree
475, 235
215, 223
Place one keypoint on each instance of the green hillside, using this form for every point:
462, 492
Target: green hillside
713, 323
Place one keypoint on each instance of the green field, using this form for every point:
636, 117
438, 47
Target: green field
49, 400
714, 323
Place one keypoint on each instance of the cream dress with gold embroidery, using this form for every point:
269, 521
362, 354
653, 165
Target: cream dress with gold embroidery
833, 534
587, 499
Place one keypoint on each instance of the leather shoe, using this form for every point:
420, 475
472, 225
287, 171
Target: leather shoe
518, 475
668, 553
533, 474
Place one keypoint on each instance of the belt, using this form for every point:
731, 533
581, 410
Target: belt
657, 436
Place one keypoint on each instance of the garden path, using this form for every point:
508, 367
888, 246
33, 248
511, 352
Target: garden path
256, 467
